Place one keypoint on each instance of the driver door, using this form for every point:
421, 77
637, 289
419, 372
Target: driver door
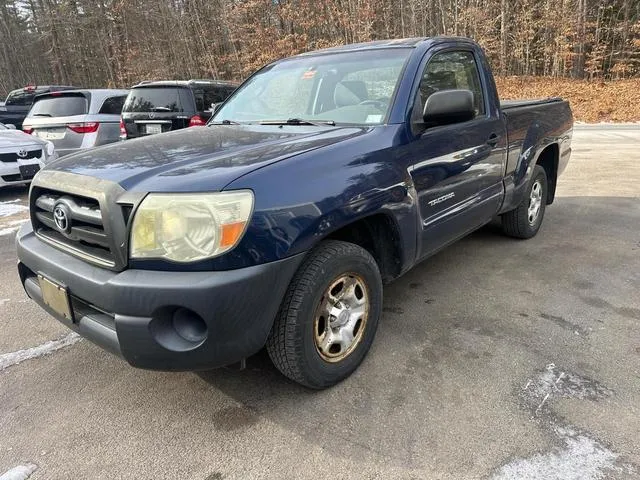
458, 168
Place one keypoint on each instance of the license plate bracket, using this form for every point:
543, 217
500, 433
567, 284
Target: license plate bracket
56, 297
27, 172
153, 128
51, 134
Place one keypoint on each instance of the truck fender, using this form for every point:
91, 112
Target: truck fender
534, 143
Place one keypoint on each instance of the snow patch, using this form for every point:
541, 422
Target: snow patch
18, 222
580, 458
11, 208
556, 382
13, 358
21, 472
8, 231
14, 226
577, 455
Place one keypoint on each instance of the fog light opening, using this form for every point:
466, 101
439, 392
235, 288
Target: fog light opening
178, 329
189, 325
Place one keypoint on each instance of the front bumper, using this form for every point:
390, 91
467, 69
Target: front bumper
10, 171
130, 312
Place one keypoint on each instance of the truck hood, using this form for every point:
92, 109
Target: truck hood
198, 158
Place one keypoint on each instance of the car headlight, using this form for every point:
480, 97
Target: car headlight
186, 227
50, 152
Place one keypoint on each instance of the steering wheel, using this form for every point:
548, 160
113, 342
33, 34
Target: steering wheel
380, 105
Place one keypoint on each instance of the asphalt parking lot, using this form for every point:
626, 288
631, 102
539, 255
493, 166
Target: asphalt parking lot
494, 359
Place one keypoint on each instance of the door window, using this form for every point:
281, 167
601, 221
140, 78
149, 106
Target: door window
214, 95
451, 70
113, 105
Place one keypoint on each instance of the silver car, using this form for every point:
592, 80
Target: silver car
22, 155
76, 119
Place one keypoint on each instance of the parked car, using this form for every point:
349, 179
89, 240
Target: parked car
77, 119
18, 102
162, 106
21, 155
322, 177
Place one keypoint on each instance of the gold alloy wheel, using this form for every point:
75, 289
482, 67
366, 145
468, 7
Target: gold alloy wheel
341, 317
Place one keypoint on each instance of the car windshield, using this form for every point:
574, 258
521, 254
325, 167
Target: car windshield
346, 87
158, 99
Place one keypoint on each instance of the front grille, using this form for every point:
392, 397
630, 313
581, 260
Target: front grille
13, 157
79, 228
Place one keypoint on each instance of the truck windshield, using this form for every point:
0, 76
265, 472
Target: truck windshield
345, 87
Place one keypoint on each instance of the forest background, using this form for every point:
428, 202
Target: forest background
585, 50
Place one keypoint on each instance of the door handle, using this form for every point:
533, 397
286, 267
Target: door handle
493, 139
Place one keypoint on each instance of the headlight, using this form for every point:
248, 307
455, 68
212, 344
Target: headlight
185, 227
50, 152
51, 149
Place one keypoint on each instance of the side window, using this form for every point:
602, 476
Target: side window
214, 95
201, 105
113, 105
451, 70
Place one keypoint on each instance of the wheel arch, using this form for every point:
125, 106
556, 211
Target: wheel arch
379, 234
548, 159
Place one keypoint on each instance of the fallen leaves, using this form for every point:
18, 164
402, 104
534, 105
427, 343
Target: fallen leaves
591, 101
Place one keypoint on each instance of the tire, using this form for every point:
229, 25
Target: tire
518, 223
316, 352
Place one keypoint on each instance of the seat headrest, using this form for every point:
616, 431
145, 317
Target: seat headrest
443, 80
350, 92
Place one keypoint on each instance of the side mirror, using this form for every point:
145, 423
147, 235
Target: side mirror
448, 106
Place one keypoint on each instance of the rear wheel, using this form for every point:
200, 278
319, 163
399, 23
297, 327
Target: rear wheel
329, 316
525, 220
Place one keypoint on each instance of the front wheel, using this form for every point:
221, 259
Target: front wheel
329, 315
525, 220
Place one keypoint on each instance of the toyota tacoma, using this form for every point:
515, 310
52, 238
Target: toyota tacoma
324, 176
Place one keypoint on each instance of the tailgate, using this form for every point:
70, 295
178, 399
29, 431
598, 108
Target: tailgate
64, 132
141, 124
157, 109
60, 117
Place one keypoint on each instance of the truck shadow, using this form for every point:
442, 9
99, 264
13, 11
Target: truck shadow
448, 326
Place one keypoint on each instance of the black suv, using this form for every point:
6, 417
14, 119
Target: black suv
162, 106
18, 102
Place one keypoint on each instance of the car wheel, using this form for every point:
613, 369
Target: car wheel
525, 220
329, 315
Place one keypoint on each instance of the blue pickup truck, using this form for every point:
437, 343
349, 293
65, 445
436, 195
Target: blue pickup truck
321, 178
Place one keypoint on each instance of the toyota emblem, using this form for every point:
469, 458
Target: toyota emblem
22, 153
61, 218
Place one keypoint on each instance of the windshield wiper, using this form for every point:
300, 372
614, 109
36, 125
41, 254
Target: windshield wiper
161, 109
299, 121
224, 122
41, 115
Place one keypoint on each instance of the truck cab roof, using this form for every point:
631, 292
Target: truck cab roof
413, 42
184, 83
